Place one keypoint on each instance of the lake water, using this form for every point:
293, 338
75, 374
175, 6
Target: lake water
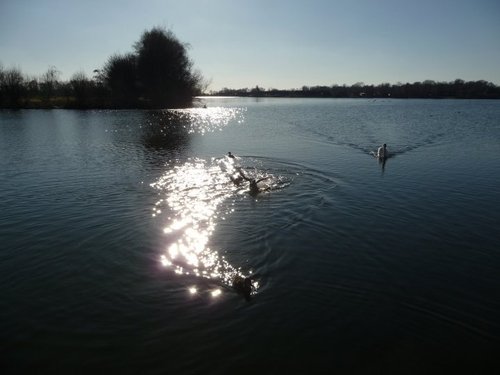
121, 233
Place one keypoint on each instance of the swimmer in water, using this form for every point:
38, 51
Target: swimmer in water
382, 152
243, 285
254, 188
238, 178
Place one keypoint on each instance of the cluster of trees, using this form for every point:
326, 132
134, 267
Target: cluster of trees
157, 74
426, 89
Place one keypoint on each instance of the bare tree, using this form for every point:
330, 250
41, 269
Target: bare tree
49, 83
12, 87
80, 85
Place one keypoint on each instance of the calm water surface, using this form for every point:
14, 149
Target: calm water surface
121, 233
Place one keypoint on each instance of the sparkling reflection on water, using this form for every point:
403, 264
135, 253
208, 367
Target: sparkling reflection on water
203, 120
196, 194
193, 194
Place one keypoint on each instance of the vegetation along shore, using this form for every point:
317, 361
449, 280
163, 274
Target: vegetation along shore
159, 74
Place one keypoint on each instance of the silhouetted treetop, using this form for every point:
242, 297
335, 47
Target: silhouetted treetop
120, 77
156, 74
164, 70
12, 87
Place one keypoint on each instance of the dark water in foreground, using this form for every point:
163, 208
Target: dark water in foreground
121, 232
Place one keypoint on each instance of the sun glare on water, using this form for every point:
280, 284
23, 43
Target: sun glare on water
194, 193
203, 120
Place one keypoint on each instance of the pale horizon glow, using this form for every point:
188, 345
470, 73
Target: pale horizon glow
270, 43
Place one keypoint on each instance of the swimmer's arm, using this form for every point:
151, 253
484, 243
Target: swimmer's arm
243, 175
262, 179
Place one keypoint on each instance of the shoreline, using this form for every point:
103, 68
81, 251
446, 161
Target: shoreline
90, 106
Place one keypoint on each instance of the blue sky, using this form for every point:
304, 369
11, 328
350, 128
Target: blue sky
270, 43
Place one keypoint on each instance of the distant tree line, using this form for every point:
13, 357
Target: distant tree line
427, 89
157, 74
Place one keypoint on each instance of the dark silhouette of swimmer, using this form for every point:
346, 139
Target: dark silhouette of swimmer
238, 178
243, 285
382, 152
254, 188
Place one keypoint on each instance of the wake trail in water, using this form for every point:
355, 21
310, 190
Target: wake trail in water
367, 129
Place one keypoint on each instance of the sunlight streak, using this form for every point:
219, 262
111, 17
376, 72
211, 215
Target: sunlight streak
216, 293
194, 193
205, 120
